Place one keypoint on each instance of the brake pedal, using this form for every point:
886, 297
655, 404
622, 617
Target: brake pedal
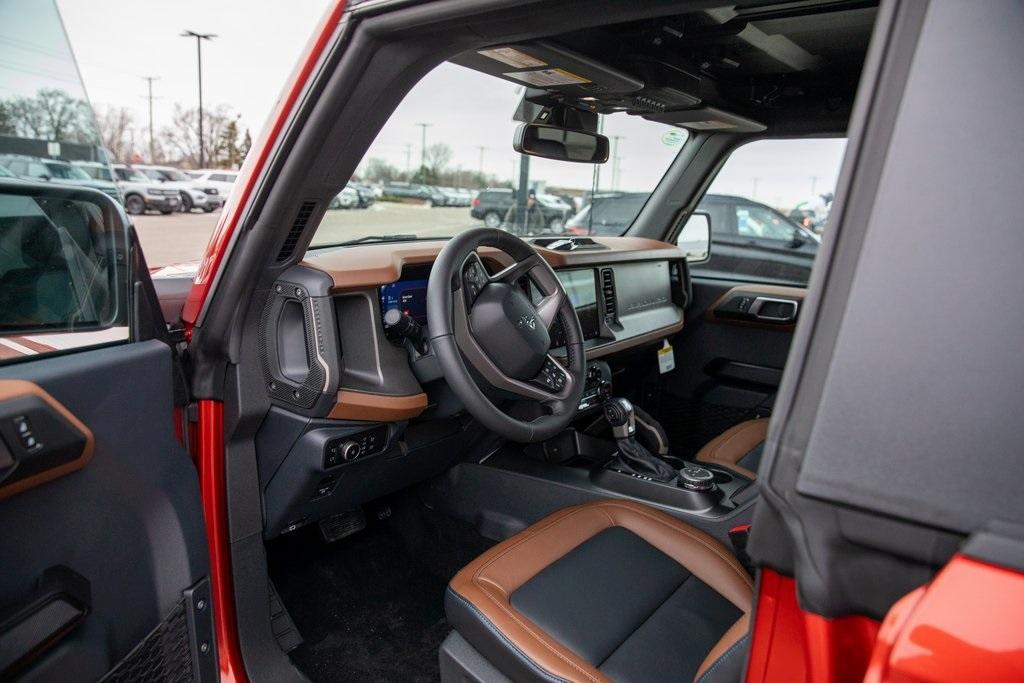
341, 525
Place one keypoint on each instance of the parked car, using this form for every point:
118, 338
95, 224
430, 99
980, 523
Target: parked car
142, 193
348, 198
55, 171
493, 205
367, 195
194, 194
748, 237
401, 190
223, 180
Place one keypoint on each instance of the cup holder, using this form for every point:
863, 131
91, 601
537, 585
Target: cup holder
721, 477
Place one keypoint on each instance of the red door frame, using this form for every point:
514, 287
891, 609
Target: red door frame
210, 446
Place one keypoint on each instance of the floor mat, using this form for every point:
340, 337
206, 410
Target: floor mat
370, 607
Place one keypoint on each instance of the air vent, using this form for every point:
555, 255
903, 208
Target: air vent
608, 293
295, 234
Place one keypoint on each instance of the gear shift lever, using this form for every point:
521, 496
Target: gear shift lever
632, 456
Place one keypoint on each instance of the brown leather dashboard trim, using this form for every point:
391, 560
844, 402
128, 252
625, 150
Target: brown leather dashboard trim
488, 582
359, 405
797, 293
372, 265
16, 388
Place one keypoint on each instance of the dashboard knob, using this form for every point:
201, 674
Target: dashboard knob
349, 451
696, 478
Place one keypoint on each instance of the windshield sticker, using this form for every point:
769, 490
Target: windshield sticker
546, 78
512, 57
673, 138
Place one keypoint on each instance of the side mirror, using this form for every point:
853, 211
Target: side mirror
560, 144
695, 237
73, 272
797, 240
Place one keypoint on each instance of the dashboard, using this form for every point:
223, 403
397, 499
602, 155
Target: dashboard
356, 412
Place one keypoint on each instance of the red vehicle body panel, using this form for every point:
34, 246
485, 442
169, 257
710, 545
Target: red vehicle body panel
967, 625
790, 646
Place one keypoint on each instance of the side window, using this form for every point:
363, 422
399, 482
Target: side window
762, 222
768, 207
63, 275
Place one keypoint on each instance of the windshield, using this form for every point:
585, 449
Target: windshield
131, 174
448, 149
174, 174
65, 172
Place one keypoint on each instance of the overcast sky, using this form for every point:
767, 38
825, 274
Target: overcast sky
117, 42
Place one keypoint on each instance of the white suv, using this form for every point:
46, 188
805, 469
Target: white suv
194, 194
141, 192
223, 180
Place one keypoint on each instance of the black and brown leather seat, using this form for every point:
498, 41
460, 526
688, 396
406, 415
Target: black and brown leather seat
738, 448
606, 591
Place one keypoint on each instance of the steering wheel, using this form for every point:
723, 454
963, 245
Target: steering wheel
489, 323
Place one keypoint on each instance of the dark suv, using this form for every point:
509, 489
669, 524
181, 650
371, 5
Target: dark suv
748, 239
494, 204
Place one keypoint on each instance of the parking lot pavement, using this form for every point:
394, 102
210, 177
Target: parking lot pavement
179, 237
175, 238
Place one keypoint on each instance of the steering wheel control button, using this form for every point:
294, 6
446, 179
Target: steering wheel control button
474, 278
696, 478
346, 449
551, 376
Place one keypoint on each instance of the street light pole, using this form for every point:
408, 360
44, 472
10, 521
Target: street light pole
200, 37
152, 145
423, 143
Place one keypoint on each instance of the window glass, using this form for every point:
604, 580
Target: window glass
457, 160
762, 222
61, 285
768, 207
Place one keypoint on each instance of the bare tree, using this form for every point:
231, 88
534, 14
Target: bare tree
53, 114
118, 132
181, 139
437, 158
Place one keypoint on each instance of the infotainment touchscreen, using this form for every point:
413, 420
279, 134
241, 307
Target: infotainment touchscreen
579, 286
409, 296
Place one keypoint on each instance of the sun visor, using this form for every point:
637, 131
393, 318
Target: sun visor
708, 119
540, 64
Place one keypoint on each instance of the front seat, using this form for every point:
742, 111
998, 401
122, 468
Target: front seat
738, 448
611, 590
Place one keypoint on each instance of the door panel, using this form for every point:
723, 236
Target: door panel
127, 521
728, 367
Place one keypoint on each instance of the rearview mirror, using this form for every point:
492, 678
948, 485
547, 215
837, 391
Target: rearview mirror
695, 237
560, 144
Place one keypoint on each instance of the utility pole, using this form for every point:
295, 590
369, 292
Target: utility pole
200, 37
481, 170
814, 184
152, 145
753, 194
423, 143
615, 160
408, 159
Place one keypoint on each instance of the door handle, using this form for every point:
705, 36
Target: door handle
771, 310
60, 602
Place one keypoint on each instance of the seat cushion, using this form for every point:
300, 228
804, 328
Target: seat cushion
610, 590
738, 448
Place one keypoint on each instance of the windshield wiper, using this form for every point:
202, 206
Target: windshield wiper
372, 238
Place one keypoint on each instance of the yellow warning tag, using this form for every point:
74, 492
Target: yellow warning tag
666, 359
